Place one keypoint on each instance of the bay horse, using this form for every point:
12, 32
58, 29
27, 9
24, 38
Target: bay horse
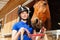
41, 16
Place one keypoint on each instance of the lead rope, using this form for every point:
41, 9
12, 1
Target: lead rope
22, 32
39, 31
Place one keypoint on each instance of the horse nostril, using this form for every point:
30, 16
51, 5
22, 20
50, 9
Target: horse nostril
36, 20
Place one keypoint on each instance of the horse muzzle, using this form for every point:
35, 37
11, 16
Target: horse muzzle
34, 21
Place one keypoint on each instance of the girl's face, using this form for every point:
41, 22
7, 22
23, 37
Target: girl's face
24, 15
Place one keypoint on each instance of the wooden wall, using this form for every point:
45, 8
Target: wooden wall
10, 6
9, 19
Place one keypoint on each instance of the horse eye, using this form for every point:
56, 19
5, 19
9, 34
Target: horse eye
45, 3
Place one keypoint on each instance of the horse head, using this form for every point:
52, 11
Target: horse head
39, 15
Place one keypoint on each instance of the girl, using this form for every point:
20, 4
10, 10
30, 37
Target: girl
23, 14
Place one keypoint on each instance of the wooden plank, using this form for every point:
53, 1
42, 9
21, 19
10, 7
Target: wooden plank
9, 6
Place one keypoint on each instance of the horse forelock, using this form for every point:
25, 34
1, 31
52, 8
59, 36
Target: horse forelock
39, 3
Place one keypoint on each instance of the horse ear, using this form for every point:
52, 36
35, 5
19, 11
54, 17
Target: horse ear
34, 6
42, 0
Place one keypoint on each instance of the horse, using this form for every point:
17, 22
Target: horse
41, 16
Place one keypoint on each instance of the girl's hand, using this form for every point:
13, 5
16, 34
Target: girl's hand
43, 29
21, 30
29, 35
27, 32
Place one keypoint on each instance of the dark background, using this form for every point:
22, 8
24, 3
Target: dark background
54, 6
